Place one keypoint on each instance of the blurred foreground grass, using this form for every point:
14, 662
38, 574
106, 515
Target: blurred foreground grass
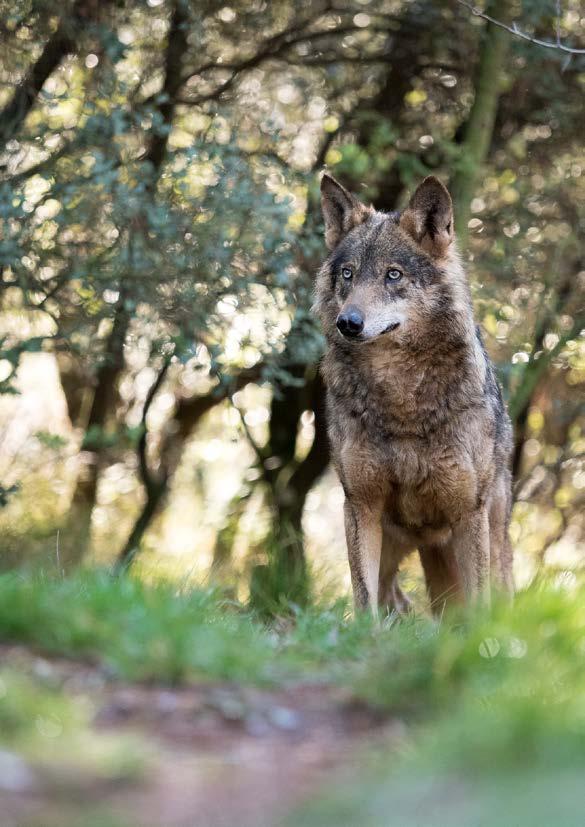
493, 706
497, 713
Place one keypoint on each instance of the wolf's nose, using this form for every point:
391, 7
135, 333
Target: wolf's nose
350, 323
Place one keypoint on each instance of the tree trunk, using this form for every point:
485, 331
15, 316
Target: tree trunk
84, 498
525, 394
154, 497
226, 537
479, 127
77, 536
285, 578
291, 501
406, 46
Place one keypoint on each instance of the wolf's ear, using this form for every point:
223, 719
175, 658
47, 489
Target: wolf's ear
429, 217
341, 211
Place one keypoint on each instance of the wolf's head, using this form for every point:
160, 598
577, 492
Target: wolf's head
389, 278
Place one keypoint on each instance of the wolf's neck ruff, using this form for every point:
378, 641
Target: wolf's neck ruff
418, 373
393, 393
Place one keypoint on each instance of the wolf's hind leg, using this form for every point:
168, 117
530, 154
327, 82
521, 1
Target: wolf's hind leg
501, 557
470, 545
391, 598
363, 532
441, 577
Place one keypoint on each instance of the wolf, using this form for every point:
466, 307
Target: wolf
419, 433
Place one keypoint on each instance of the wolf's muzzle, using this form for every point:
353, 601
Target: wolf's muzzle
350, 322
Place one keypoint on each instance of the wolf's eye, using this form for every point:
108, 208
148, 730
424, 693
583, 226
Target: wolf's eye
346, 272
394, 274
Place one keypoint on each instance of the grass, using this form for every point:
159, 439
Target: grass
165, 634
135, 631
494, 705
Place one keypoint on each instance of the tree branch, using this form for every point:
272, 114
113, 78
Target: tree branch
275, 48
187, 414
176, 48
513, 29
146, 475
59, 45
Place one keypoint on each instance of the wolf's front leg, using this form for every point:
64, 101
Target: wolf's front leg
363, 532
471, 550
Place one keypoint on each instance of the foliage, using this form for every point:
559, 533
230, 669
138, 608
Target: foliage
159, 231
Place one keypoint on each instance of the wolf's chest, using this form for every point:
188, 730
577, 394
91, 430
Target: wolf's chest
420, 481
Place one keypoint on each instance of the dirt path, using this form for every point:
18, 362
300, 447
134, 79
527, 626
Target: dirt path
215, 755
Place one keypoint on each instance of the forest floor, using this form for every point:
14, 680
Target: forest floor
126, 705
202, 754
